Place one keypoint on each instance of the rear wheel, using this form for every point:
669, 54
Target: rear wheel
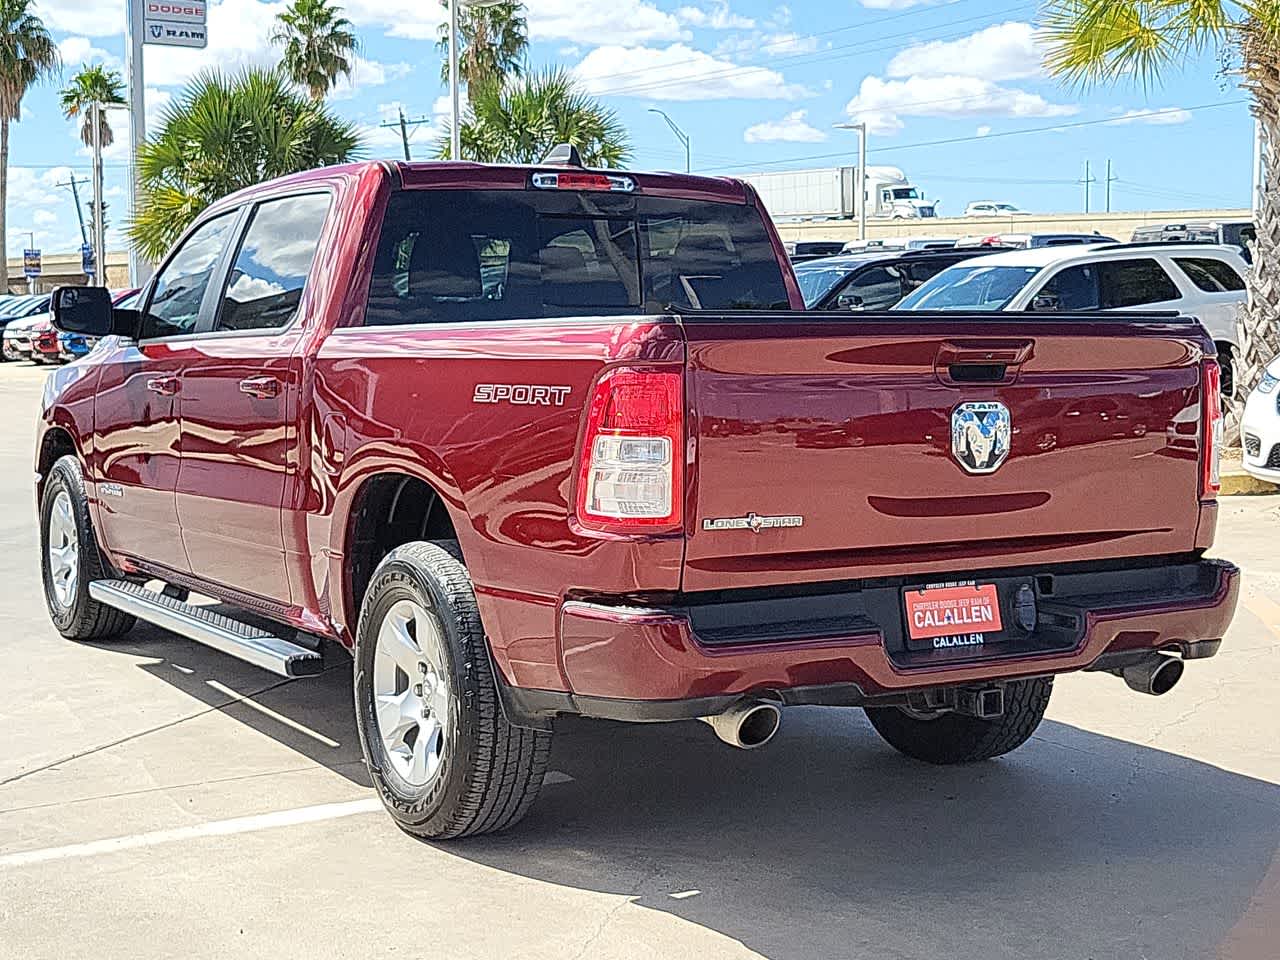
70, 560
947, 738
440, 752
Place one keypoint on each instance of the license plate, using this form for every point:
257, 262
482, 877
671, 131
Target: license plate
966, 613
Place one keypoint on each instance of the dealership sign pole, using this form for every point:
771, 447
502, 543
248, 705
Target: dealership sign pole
170, 23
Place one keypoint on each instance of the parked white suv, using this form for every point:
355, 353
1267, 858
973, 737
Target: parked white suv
1203, 280
1261, 427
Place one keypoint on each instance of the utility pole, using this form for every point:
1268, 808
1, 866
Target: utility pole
403, 125
1087, 180
1111, 178
84, 236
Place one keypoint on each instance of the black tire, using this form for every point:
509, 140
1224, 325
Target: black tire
952, 738
80, 617
490, 772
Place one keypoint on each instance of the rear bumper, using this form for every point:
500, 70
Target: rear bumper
696, 658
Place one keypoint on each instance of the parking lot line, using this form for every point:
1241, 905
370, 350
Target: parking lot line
214, 828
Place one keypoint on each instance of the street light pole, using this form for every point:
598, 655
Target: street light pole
99, 233
139, 269
680, 135
862, 174
455, 120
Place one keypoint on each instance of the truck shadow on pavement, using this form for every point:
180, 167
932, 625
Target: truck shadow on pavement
827, 844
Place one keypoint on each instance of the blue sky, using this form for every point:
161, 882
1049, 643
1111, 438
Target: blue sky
757, 85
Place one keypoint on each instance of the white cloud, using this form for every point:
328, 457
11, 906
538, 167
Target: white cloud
759, 45
44, 218
368, 73
793, 128
679, 72
882, 103
719, 17
1004, 51
94, 18
578, 21
983, 130
1166, 115
253, 288
80, 50
239, 36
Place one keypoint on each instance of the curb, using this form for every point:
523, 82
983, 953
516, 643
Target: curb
1238, 483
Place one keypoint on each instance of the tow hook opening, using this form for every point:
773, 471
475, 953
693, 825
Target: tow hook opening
982, 703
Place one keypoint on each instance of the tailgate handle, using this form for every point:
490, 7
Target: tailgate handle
981, 361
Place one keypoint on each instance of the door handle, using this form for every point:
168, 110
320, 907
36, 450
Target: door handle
165, 386
264, 388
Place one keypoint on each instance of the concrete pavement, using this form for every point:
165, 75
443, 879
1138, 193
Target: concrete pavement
158, 799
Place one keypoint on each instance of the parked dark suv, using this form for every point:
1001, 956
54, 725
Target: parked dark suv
874, 281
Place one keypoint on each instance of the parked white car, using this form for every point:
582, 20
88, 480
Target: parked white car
994, 208
1201, 280
1261, 427
876, 244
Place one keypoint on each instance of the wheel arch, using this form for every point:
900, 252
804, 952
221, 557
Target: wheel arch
380, 511
55, 442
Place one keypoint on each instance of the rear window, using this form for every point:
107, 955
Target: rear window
1134, 283
471, 255
1212, 276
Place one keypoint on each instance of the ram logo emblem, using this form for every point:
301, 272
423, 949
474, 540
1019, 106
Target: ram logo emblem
980, 435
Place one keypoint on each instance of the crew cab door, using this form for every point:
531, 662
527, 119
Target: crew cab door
136, 446
239, 394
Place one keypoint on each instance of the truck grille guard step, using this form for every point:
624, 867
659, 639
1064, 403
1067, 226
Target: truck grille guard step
240, 640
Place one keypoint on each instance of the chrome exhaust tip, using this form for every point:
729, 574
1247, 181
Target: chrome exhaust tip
1155, 675
746, 725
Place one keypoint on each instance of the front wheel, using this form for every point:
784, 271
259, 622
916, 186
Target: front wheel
440, 752
953, 738
70, 560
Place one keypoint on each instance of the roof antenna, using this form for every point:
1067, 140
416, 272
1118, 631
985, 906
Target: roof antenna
563, 155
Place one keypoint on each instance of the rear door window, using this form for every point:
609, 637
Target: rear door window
464, 255
876, 288
1134, 283
1211, 276
1074, 288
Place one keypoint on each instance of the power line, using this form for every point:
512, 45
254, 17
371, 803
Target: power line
990, 136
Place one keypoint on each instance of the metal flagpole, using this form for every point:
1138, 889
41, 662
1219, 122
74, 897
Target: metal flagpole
139, 269
455, 121
99, 229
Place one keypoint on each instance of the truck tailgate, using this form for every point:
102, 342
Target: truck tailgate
824, 447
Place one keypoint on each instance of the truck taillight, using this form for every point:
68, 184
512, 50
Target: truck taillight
1211, 421
631, 475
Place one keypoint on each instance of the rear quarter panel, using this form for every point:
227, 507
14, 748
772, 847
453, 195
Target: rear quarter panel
404, 396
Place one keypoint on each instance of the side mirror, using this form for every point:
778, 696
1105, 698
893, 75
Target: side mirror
1045, 303
849, 301
88, 310
82, 310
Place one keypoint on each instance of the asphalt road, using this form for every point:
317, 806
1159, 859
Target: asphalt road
158, 799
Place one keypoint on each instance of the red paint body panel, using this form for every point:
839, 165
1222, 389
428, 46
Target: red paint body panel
844, 421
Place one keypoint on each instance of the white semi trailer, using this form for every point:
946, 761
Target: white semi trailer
832, 193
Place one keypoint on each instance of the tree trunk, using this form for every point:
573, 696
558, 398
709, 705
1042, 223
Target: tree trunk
4, 205
1259, 321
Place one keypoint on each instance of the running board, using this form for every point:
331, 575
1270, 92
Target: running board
250, 644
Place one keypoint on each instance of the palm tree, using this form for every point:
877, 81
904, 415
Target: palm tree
1093, 41
319, 45
520, 121
223, 134
27, 56
492, 42
93, 84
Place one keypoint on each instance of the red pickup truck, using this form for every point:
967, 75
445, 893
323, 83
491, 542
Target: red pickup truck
534, 441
